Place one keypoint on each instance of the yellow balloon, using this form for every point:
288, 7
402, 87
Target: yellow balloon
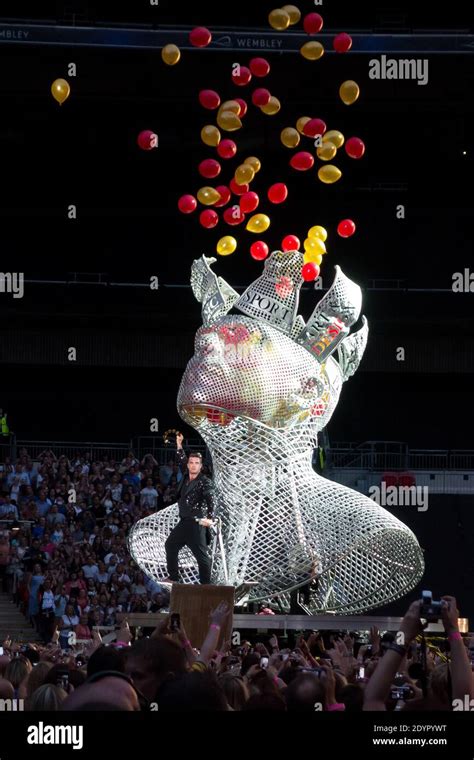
326, 151
329, 174
318, 232
301, 123
272, 107
293, 12
230, 105
244, 174
226, 245
60, 90
228, 121
171, 54
312, 50
210, 135
208, 196
315, 244
254, 163
258, 223
334, 136
312, 257
349, 92
279, 19
290, 137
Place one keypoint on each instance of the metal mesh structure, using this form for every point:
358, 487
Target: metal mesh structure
258, 392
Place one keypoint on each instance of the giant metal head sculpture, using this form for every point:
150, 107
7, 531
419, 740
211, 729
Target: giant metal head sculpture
261, 384
269, 366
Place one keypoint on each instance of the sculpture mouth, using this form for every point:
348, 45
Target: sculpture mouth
195, 414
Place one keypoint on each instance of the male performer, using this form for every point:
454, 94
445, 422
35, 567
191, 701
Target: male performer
196, 507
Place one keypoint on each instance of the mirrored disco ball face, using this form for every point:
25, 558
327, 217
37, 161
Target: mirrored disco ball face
243, 367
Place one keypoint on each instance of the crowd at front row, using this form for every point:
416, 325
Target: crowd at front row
165, 671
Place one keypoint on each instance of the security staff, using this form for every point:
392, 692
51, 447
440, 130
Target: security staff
4, 429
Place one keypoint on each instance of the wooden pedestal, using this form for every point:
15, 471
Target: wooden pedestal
195, 603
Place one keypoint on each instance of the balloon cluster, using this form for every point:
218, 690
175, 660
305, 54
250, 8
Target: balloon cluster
289, 15
240, 204
199, 37
327, 144
261, 97
228, 117
315, 249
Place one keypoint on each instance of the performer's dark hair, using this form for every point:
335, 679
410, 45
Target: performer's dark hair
196, 454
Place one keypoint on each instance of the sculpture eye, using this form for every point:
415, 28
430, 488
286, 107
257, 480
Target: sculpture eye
207, 342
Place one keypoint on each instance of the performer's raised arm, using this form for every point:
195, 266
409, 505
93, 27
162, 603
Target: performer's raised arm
181, 458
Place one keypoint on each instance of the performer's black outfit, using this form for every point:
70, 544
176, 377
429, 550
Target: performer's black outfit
196, 500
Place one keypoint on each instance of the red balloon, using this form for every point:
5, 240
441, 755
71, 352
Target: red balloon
187, 204
313, 23
261, 97
278, 193
249, 202
227, 149
146, 139
238, 189
309, 272
243, 107
342, 42
209, 99
200, 37
302, 161
259, 250
225, 194
291, 243
259, 67
355, 148
241, 76
314, 127
233, 215
209, 218
209, 168
346, 228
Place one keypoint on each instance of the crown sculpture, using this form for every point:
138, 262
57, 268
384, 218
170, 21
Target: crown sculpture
261, 385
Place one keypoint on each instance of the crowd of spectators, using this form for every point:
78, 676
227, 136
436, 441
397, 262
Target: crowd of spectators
64, 562
318, 672
64, 557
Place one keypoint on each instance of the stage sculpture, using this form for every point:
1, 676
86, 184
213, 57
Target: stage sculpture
261, 384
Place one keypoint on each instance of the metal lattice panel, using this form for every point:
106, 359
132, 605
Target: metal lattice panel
258, 399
